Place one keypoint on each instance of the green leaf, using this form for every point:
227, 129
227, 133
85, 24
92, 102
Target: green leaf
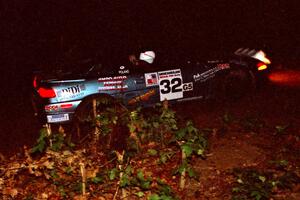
128, 170
140, 175
256, 194
152, 152
274, 183
180, 134
68, 170
174, 127
281, 129
227, 118
131, 127
62, 191
283, 162
97, 179
71, 145
39, 147
182, 168
191, 172
140, 194
200, 152
53, 174
165, 197
154, 197
236, 189
112, 174
164, 188
145, 185
187, 149
43, 134
191, 128
163, 158
41, 142
262, 178
124, 181
155, 124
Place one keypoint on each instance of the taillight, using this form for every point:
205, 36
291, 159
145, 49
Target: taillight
46, 92
261, 66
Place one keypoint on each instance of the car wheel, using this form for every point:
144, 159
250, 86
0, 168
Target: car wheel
237, 84
105, 114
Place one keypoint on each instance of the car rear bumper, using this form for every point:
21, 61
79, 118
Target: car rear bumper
54, 113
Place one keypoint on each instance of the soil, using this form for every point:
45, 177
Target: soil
238, 145
245, 134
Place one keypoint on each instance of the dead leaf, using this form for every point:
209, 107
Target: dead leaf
10, 191
48, 164
47, 176
79, 197
91, 173
45, 196
1, 183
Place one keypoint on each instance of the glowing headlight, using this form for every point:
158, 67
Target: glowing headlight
260, 55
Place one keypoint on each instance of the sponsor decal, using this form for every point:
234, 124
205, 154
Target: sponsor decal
71, 92
187, 86
151, 79
143, 97
113, 87
50, 108
115, 78
126, 71
170, 84
112, 83
210, 73
223, 66
123, 70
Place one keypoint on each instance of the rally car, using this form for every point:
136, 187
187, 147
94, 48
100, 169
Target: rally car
61, 97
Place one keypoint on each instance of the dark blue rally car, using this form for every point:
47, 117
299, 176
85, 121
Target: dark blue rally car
59, 97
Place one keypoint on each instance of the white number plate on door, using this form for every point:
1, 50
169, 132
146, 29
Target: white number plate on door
170, 84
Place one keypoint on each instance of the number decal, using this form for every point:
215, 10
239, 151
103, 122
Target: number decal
170, 84
176, 82
165, 86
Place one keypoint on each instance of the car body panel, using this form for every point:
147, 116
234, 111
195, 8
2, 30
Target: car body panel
134, 86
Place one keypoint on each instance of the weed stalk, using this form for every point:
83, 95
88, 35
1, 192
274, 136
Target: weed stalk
183, 173
83, 179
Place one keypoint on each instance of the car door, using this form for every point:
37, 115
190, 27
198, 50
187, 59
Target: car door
140, 91
165, 84
193, 87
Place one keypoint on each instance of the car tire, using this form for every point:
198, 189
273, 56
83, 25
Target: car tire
85, 113
85, 121
237, 84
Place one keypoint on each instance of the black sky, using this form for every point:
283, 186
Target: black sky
36, 32
41, 33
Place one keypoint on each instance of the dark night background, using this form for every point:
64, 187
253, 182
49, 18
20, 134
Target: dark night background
37, 34
259, 133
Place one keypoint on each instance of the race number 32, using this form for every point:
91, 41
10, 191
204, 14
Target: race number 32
170, 84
